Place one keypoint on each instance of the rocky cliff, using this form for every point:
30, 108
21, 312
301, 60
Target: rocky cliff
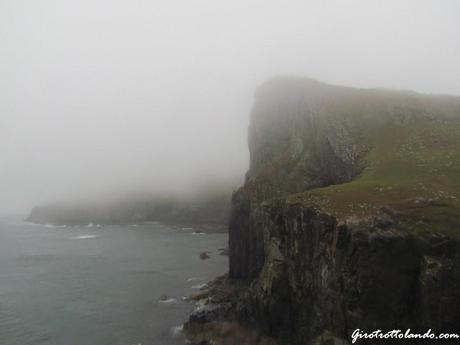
349, 216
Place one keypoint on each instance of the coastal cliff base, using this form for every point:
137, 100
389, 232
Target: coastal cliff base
323, 278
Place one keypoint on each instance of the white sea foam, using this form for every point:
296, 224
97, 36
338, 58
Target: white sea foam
167, 301
194, 279
198, 233
46, 225
200, 286
198, 307
176, 330
83, 237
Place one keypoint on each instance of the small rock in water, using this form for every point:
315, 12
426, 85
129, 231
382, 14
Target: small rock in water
163, 297
223, 251
204, 256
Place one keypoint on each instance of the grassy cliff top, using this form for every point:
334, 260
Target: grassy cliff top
413, 170
402, 150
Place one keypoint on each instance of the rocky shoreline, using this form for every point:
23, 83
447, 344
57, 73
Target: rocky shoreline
219, 319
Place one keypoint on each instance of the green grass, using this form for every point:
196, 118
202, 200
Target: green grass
412, 169
407, 144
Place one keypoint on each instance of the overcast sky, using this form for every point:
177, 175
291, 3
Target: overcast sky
111, 95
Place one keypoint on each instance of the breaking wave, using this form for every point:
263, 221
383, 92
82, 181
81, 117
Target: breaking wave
83, 237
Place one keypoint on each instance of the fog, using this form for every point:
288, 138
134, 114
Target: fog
99, 97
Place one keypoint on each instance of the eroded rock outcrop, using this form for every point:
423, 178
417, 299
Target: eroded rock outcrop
324, 276
349, 214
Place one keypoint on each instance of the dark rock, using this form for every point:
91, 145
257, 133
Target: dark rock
210, 312
439, 292
203, 342
312, 273
223, 251
204, 256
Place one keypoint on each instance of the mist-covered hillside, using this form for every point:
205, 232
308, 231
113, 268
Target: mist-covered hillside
208, 209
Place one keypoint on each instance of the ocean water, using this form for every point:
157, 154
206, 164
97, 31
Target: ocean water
100, 285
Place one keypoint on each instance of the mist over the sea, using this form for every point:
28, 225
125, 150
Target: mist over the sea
245, 172
102, 98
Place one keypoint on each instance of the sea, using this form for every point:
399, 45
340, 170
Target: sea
101, 285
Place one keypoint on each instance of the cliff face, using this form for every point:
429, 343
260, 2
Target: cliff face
349, 214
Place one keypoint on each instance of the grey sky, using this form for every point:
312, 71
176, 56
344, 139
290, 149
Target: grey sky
110, 95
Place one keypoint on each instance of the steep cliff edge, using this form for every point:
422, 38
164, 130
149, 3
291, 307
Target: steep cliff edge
349, 216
